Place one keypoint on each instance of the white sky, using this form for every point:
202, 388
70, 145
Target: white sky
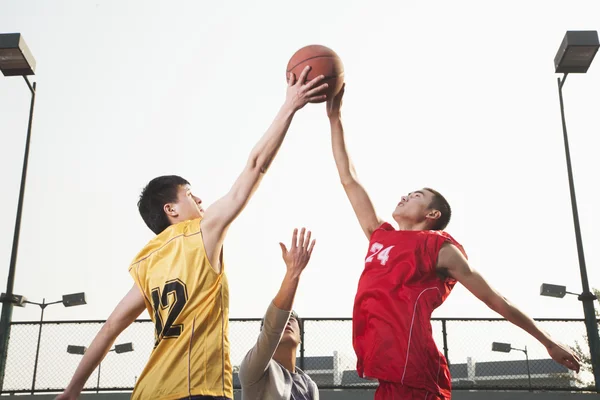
460, 96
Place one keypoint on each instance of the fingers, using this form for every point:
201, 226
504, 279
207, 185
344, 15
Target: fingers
314, 82
303, 75
317, 99
301, 239
317, 90
301, 244
284, 250
574, 364
291, 79
310, 248
568, 360
294, 240
571, 365
307, 240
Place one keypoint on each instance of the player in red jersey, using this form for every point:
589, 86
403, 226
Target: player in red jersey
408, 273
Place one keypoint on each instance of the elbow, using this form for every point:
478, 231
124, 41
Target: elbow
347, 180
348, 176
258, 163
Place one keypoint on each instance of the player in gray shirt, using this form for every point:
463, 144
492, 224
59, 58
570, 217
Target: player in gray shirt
269, 370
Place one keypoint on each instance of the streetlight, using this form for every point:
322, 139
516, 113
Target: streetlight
68, 300
76, 349
506, 348
119, 348
575, 55
557, 291
15, 59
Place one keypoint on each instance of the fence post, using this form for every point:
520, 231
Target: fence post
302, 345
445, 336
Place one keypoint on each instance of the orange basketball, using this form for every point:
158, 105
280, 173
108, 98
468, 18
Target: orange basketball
323, 61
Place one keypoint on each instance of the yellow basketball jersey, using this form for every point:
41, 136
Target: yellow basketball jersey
188, 302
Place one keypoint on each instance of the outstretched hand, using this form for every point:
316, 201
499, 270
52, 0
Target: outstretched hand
334, 105
300, 92
563, 356
297, 257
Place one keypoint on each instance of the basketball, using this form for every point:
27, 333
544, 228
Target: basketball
323, 61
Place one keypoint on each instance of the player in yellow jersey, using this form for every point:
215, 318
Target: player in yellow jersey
179, 277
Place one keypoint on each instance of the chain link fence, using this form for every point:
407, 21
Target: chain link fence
325, 353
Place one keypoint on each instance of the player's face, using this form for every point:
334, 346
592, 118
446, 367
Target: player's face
188, 206
414, 206
292, 331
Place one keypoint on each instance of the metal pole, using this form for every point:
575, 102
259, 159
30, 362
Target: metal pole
587, 298
445, 336
302, 345
528, 371
98, 384
37, 351
7, 308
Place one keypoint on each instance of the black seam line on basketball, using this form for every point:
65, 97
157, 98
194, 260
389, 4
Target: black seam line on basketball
331, 77
310, 58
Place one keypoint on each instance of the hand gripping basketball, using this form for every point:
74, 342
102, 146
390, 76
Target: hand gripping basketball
299, 92
322, 61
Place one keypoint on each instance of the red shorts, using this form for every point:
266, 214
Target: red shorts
397, 391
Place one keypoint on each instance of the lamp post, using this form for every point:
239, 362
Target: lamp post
119, 349
68, 300
558, 291
15, 60
506, 348
575, 55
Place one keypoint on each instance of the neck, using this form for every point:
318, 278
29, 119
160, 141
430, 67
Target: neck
412, 226
286, 356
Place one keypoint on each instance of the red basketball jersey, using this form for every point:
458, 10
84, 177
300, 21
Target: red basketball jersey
397, 293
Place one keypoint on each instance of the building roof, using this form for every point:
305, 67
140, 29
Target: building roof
519, 367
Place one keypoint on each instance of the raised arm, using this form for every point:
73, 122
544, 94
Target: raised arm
452, 262
361, 203
128, 309
219, 216
257, 359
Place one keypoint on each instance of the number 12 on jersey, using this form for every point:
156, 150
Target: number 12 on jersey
172, 300
383, 254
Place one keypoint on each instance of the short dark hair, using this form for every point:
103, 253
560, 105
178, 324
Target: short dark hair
158, 192
440, 203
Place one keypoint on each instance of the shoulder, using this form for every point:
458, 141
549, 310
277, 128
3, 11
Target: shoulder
173, 232
307, 377
441, 238
383, 228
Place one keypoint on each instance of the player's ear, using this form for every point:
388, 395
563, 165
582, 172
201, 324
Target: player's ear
171, 210
433, 214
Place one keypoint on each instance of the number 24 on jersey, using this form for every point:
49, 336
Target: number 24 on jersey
382, 254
